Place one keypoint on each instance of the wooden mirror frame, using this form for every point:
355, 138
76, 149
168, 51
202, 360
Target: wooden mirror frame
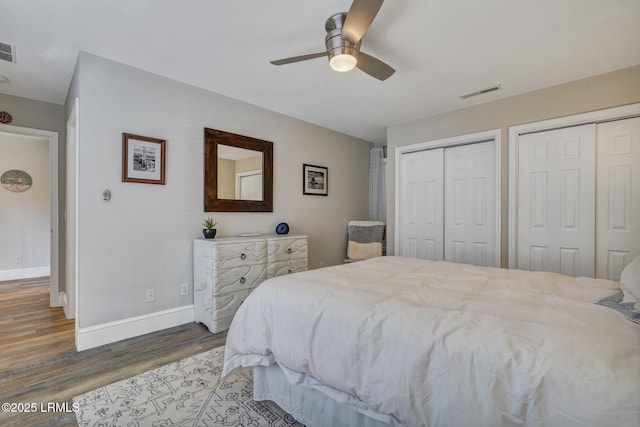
212, 138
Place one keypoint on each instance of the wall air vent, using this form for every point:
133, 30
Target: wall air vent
482, 92
7, 52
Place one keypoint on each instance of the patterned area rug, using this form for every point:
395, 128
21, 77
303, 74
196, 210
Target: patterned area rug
189, 392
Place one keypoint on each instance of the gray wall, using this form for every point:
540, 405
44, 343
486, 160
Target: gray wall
142, 238
595, 93
25, 216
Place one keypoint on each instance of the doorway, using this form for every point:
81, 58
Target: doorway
50, 140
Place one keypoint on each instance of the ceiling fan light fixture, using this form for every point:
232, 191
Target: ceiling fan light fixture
343, 62
342, 53
343, 50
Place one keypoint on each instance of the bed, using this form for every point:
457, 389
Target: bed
406, 342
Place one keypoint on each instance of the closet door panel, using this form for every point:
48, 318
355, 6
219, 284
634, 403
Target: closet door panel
618, 196
421, 204
556, 199
469, 213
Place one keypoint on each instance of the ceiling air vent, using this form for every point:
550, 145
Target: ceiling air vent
7, 52
482, 92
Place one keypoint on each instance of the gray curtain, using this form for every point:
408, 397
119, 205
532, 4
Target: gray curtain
377, 184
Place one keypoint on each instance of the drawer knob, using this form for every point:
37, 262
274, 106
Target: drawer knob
289, 272
243, 256
242, 280
289, 250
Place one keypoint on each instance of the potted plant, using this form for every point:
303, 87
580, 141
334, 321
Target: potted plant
208, 230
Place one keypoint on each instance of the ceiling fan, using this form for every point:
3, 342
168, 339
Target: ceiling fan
344, 35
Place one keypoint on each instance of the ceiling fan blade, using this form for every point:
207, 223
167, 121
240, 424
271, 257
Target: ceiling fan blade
374, 67
359, 19
298, 58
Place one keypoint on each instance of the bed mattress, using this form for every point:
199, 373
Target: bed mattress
432, 343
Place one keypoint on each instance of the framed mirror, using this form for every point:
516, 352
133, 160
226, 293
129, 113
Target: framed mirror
238, 173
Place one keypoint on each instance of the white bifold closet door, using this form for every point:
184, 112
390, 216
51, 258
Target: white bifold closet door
579, 199
447, 204
617, 196
421, 209
469, 204
556, 201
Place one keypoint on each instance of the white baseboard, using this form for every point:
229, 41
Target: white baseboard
64, 302
106, 333
24, 273
57, 299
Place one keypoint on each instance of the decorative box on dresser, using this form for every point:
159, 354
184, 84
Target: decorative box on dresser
227, 269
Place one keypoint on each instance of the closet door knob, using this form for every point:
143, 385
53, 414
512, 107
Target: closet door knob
289, 250
242, 280
243, 256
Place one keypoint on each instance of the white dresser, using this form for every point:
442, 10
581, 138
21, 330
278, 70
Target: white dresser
227, 269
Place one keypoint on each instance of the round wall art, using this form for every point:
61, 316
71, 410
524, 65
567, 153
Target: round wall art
5, 117
16, 180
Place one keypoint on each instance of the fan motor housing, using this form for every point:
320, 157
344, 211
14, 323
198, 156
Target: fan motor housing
334, 42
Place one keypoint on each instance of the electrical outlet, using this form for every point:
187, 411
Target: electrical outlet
184, 289
151, 295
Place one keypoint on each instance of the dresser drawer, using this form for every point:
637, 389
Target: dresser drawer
294, 265
231, 254
236, 254
284, 249
227, 304
239, 278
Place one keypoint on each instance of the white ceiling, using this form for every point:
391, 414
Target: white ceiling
440, 50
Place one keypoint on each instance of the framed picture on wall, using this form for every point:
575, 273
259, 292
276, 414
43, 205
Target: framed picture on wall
16, 180
315, 180
143, 159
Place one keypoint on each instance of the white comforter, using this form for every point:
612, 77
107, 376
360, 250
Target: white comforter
423, 343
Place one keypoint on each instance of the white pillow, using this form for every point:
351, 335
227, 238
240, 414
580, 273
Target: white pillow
630, 281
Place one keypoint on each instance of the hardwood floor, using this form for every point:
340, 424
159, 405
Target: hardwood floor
39, 364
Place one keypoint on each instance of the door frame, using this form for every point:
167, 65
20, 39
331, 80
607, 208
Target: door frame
55, 299
484, 136
71, 216
598, 116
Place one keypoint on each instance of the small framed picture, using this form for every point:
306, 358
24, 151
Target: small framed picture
315, 180
143, 159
